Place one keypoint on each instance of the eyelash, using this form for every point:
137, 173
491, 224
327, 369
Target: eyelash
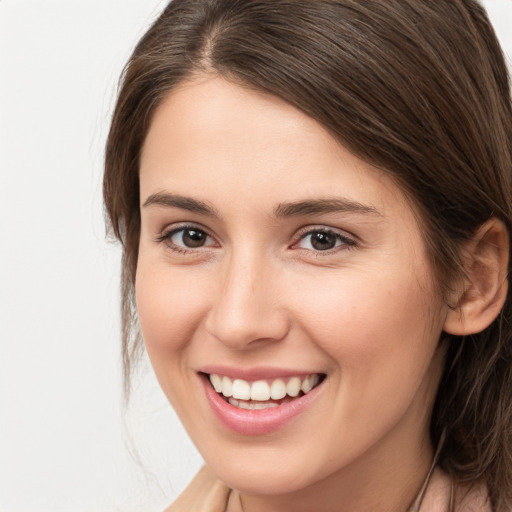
347, 243
167, 235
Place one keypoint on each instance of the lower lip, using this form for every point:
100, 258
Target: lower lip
256, 422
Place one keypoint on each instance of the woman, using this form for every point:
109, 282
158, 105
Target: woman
315, 206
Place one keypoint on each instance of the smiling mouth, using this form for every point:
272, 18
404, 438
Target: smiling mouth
263, 394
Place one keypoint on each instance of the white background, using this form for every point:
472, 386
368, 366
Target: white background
66, 444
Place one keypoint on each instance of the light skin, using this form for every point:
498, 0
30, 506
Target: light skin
260, 184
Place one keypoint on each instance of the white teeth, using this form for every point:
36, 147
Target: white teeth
241, 389
305, 385
216, 382
309, 383
259, 406
293, 386
251, 405
227, 386
278, 389
261, 390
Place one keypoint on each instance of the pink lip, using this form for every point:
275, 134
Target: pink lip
256, 422
252, 374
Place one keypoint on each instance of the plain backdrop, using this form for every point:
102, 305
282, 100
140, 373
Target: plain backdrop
66, 443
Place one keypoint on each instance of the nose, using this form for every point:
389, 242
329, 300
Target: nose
249, 309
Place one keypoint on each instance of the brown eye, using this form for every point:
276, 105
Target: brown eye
324, 240
193, 238
188, 238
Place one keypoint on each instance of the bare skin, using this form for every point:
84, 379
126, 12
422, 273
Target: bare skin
346, 291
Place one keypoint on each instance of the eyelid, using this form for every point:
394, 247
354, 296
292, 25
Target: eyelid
170, 230
349, 240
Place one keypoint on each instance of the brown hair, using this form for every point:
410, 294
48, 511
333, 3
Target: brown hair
418, 88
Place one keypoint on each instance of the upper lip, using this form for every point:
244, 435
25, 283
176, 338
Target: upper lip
256, 372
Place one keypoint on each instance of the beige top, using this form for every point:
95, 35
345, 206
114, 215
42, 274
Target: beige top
207, 494
204, 494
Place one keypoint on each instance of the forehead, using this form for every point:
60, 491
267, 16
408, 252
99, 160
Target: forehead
225, 143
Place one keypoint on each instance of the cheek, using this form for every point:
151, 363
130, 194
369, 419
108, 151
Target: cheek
170, 305
374, 328
380, 336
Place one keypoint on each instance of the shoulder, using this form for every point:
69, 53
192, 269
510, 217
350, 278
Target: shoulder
443, 496
204, 494
473, 499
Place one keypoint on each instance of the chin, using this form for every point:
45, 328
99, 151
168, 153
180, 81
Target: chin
264, 477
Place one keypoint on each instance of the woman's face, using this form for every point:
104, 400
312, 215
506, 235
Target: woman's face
272, 257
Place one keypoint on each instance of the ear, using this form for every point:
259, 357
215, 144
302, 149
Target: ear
485, 285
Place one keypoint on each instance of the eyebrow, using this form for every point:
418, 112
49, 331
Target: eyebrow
319, 206
181, 202
291, 209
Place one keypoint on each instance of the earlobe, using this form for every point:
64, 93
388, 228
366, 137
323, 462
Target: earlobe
485, 287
